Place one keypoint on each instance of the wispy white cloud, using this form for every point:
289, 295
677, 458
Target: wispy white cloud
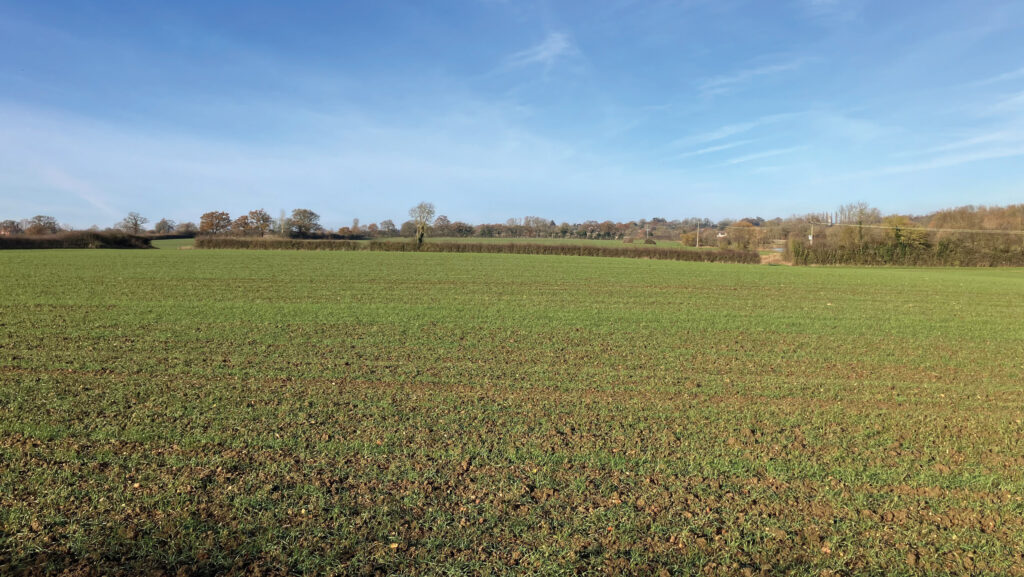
999, 136
941, 161
727, 82
846, 128
958, 159
771, 169
760, 155
59, 180
1014, 103
1012, 75
729, 130
716, 148
831, 10
555, 47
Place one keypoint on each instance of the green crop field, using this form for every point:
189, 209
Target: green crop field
201, 412
173, 242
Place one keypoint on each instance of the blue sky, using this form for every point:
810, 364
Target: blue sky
490, 109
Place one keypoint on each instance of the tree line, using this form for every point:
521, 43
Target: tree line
852, 226
134, 223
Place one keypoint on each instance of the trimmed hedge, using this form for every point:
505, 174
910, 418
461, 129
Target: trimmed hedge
733, 256
945, 252
76, 239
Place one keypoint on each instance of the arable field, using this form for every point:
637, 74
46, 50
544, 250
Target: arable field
357, 413
173, 242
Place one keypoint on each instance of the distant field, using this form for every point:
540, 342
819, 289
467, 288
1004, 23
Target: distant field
173, 242
402, 413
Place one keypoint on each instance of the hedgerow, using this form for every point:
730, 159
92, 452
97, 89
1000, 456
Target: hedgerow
75, 239
945, 252
731, 256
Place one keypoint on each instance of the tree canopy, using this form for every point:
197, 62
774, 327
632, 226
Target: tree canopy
133, 223
215, 222
422, 216
303, 222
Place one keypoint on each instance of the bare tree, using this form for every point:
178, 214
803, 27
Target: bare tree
41, 224
442, 226
388, 228
9, 227
164, 226
422, 216
860, 214
133, 223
